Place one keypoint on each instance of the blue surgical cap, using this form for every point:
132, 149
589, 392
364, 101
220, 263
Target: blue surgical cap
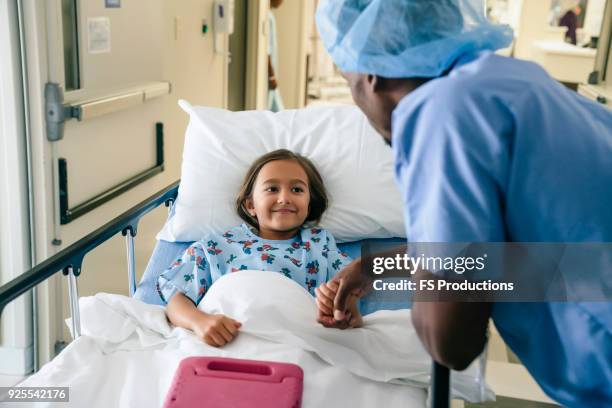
406, 38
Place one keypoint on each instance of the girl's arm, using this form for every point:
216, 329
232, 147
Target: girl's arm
182, 312
182, 286
215, 330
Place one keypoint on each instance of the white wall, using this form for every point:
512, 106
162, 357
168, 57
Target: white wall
594, 17
293, 25
256, 92
321, 64
532, 26
196, 73
15, 328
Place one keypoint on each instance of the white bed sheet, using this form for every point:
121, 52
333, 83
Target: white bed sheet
128, 352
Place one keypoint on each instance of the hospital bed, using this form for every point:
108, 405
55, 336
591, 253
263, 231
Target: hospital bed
69, 262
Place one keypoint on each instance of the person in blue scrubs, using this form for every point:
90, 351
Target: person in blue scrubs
487, 149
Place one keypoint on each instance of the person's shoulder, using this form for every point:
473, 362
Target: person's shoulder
478, 95
488, 83
496, 87
501, 77
489, 75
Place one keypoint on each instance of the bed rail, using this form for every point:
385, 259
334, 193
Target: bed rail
440, 386
70, 259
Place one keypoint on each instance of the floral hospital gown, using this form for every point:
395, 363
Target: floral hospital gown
310, 258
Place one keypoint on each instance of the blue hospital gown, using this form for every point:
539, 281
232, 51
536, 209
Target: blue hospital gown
310, 258
498, 151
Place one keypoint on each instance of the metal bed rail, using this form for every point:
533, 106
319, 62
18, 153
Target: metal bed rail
440, 386
70, 260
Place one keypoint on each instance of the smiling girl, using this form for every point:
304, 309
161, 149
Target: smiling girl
281, 200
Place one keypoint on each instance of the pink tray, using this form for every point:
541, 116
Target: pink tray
228, 382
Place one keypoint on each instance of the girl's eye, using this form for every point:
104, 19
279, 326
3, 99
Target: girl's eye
297, 190
272, 189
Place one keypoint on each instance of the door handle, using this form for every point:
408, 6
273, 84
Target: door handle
57, 112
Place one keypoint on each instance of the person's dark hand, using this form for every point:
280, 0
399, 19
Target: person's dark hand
353, 283
325, 295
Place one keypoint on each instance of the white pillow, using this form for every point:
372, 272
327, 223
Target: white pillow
355, 163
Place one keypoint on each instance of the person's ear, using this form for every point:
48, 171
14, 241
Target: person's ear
373, 83
249, 206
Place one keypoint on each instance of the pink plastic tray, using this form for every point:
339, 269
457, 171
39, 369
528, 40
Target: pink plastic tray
228, 382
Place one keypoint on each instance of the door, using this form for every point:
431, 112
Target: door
116, 69
106, 74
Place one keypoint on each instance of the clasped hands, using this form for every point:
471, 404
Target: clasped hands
337, 299
337, 304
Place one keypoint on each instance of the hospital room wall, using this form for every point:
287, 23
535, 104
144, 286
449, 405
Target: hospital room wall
197, 74
15, 327
532, 26
593, 18
293, 24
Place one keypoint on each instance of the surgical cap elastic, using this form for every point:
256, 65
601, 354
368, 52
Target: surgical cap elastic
406, 38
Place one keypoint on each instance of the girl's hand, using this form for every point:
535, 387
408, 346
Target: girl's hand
325, 295
215, 330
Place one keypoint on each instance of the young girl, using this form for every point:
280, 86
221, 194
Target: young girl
282, 192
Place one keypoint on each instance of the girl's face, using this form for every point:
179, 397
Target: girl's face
280, 199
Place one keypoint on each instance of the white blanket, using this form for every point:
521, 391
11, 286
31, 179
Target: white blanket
128, 352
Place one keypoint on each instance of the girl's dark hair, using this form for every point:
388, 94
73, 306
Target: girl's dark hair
318, 195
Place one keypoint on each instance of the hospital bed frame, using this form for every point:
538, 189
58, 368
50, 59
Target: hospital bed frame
70, 260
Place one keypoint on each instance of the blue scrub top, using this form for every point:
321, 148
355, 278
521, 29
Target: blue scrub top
498, 151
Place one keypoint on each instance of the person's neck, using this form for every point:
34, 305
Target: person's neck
393, 91
277, 235
400, 87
